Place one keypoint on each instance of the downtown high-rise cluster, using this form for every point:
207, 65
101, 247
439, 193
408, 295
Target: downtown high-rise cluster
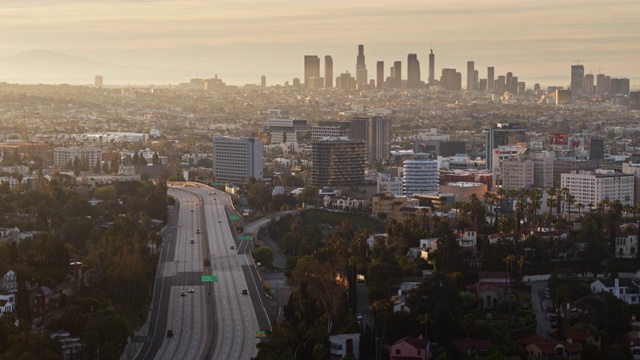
450, 79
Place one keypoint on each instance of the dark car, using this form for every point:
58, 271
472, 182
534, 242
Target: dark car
169, 333
182, 293
198, 231
233, 247
244, 292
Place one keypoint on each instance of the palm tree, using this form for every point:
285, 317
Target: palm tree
551, 200
580, 206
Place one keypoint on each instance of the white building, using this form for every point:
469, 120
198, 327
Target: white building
90, 155
594, 187
344, 344
626, 290
385, 183
284, 130
236, 160
420, 176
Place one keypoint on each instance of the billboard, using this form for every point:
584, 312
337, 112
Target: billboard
558, 139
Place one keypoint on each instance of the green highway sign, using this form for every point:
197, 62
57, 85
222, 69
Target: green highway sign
209, 278
234, 217
245, 237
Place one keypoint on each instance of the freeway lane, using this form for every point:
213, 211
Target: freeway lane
220, 306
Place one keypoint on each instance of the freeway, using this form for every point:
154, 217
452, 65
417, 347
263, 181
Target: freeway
208, 320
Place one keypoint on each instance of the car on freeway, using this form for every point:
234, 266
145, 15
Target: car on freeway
196, 203
182, 293
244, 292
198, 231
192, 241
191, 210
232, 247
191, 290
169, 333
178, 225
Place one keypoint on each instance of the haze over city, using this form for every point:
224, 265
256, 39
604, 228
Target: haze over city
165, 42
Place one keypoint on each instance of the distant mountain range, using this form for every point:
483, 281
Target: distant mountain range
44, 66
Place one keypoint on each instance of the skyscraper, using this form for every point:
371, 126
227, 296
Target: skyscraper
589, 88
432, 68
508, 80
499, 135
376, 133
328, 71
471, 76
311, 68
577, 80
413, 71
491, 83
397, 74
596, 149
380, 74
451, 80
600, 79
337, 162
361, 68
237, 160
98, 81
263, 81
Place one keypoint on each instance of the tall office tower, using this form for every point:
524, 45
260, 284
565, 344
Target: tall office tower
522, 87
98, 81
490, 79
600, 79
536, 89
420, 176
263, 81
508, 80
397, 74
513, 85
337, 162
620, 86
432, 68
451, 80
413, 71
361, 67
296, 82
347, 82
471, 75
634, 104
501, 84
311, 68
607, 84
577, 80
237, 160
328, 71
502, 134
589, 88
596, 150
380, 74
376, 133
476, 79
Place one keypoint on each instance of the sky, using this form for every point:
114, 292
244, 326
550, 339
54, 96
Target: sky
240, 40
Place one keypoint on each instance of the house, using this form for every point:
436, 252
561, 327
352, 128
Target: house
410, 348
634, 346
491, 286
400, 303
479, 347
5, 306
7, 235
578, 337
468, 240
626, 290
9, 281
344, 344
427, 247
409, 283
626, 245
544, 348
43, 301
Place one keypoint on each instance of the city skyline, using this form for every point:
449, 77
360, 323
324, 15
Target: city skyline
189, 37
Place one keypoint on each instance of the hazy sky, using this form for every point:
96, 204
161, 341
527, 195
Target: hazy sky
243, 39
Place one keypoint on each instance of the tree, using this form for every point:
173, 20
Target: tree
448, 257
439, 298
264, 255
105, 193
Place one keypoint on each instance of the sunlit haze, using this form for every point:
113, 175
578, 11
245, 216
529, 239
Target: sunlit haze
161, 42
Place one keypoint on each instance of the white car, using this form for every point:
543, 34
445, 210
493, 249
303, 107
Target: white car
191, 290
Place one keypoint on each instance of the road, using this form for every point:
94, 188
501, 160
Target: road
215, 320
